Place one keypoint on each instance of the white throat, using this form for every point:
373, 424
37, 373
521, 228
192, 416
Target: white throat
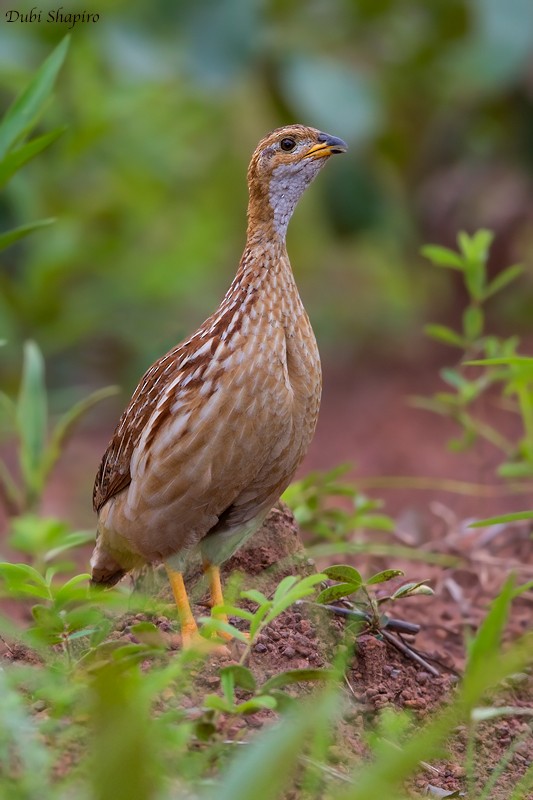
288, 183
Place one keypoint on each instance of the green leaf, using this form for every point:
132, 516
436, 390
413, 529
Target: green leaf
259, 617
70, 540
23, 112
453, 378
22, 745
217, 703
71, 591
514, 517
34, 534
446, 335
32, 418
489, 362
13, 496
473, 321
292, 593
283, 587
21, 572
375, 522
148, 633
343, 574
411, 589
17, 158
442, 256
518, 470
81, 634
213, 625
477, 246
64, 427
338, 591
504, 279
12, 236
242, 676
296, 676
262, 771
384, 575
231, 611
486, 645
256, 704
23, 580
255, 596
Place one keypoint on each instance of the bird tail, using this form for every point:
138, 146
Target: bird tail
105, 569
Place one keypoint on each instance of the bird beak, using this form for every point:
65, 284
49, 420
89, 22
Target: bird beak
326, 146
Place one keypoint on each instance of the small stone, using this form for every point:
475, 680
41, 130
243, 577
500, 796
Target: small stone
39, 705
395, 673
289, 652
212, 680
260, 648
422, 677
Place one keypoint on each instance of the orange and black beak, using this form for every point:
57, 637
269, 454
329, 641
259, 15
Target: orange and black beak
326, 146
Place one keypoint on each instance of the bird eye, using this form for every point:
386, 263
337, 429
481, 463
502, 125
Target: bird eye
287, 144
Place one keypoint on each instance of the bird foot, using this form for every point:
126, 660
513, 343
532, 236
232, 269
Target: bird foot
194, 641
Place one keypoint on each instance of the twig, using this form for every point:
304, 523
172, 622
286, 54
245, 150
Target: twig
412, 654
394, 624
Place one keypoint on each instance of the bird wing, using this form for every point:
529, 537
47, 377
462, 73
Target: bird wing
114, 472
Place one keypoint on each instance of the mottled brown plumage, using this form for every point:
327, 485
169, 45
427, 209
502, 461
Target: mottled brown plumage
217, 427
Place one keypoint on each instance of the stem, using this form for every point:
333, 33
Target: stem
443, 485
526, 411
470, 758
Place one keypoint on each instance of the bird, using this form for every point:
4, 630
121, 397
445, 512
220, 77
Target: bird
217, 427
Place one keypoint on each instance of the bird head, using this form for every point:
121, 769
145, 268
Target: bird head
283, 165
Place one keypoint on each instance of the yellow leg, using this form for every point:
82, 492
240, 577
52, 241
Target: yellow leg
215, 586
189, 628
215, 589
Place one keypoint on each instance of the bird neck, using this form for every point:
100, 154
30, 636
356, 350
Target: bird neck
263, 232
271, 205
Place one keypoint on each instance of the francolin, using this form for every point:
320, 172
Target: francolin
216, 428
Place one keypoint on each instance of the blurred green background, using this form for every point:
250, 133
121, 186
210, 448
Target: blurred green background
163, 104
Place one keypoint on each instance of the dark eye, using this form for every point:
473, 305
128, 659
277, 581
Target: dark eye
287, 144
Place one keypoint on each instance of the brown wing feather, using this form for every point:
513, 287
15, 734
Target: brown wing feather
114, 473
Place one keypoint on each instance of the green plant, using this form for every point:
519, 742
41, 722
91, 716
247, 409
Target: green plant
289, 591
486, 360
18, 122
350, 582
311, 502
267, 695
65, 611
27, 420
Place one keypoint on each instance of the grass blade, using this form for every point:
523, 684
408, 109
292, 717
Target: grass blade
31, 419
265, 767
514, 517
25, 109
487, 643
17, 158
10, 237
